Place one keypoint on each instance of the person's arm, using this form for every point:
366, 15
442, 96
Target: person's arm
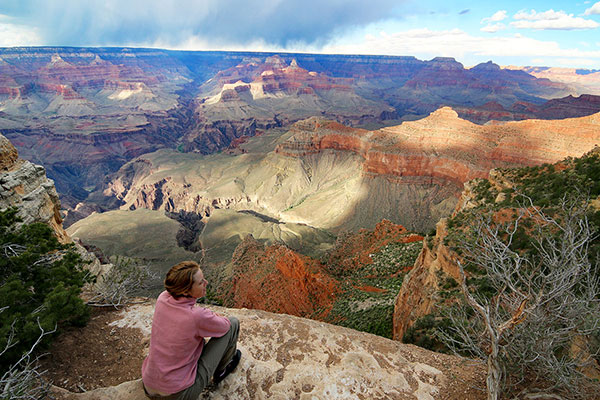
210, 324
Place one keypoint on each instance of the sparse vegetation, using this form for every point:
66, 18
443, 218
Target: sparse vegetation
508, 308
534, 304
298, 203
369, 292
125, 279
23, 379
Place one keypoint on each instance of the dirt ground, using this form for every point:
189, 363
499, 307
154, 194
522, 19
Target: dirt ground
116, 353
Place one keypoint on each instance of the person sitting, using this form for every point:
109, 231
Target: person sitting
179, 364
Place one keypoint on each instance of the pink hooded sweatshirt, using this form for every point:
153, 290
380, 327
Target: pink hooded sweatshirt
177, 340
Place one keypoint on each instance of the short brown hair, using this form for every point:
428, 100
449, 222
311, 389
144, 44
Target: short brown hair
180, 278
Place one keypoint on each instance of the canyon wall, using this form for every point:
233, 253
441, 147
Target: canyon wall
445, 147
581, 80
412, 173
84, 112
433, 283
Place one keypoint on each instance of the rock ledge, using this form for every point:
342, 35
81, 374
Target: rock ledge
286, 357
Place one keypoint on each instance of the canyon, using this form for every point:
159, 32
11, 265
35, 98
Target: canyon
274, 220
411, 174
83, 113
316, 359
305, 184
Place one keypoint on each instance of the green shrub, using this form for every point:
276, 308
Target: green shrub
40, 283
372, 311
424, 332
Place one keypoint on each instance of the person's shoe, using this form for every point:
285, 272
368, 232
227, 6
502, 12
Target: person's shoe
229, 368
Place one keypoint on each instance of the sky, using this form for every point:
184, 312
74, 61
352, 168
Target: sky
507, 32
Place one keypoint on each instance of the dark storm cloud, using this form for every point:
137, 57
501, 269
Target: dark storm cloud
114, 22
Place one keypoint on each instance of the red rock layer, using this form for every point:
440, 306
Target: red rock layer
277, 279
67, 78
443, 146
275, 77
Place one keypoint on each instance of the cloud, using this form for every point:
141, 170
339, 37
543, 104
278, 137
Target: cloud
425, 43
555, 20
593, 10
497, 17
466, 11
174, 22
493, 28
12, 34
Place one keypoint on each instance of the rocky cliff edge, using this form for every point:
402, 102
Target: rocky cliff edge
286, 357
24, 185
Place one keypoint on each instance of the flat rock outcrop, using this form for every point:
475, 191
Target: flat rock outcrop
24, 185
287, 357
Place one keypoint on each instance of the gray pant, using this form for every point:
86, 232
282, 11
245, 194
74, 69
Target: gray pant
216, 354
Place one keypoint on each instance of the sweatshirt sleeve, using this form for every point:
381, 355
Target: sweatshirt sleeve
210, 324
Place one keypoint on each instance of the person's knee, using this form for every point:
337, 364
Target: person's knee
235, 325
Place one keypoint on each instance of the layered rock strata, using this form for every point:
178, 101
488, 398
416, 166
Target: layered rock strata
566, 107
443, 146
288, 357
581, 80
84, 112
411, 174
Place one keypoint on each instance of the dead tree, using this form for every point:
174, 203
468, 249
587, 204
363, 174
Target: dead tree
23, 379
536, 323
117, 287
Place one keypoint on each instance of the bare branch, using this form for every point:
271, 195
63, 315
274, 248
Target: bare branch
23, 380
537, 325
117, 287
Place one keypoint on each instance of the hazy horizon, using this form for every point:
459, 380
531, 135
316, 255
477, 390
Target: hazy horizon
537, 33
